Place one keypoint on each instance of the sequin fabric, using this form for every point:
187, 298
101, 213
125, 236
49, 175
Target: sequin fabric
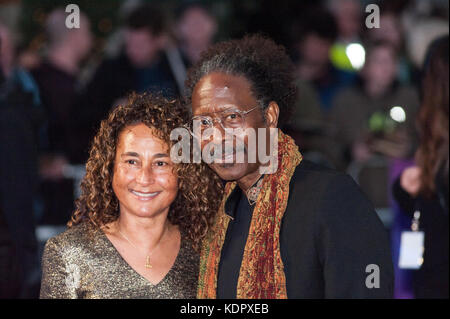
81, 263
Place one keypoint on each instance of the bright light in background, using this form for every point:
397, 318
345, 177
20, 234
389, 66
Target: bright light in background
356, 54
398, 114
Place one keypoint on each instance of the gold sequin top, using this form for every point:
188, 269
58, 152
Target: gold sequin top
82, 263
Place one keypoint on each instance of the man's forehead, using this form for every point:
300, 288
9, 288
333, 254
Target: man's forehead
215, 86
218, 91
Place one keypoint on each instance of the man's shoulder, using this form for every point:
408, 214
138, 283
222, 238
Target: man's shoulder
328, 193
314, 181
309, 169
114, 65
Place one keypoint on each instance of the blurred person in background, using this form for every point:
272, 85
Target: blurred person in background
318, 82
141, 66
424, 186
195, 30
20, 121
361, 115
13, 71
348, 15
313, 36
192, 32
349, 20
57, 78
391, 30
307, 125
423, 22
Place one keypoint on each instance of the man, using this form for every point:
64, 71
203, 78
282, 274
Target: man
57, 78
195, 30
141, 67
376, 92
312, 41
301, 232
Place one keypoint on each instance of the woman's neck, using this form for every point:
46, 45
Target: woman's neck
144, 232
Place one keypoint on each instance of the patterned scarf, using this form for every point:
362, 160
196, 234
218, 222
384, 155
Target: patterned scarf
262, 273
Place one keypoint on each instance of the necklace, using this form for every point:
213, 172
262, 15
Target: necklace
254, 190
148, 265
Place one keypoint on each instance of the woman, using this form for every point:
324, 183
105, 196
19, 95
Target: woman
140, 216
425, 187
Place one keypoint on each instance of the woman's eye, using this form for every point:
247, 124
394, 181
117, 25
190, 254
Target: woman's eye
131, 162
161, 163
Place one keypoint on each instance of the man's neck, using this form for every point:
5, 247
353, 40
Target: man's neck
375, 90
64, 58
249, 180
148, 63
193, 51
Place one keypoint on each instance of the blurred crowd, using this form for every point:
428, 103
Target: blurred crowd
359, 96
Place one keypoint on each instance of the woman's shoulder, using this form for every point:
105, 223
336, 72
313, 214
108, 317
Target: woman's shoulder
77, 235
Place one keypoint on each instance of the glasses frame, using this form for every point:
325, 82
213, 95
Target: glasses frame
218, 119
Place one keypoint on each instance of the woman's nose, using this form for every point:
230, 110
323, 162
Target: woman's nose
145, 175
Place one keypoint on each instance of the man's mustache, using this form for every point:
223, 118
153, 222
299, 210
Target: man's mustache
226, 151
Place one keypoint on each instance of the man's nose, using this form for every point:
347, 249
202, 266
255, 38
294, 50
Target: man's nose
218, 132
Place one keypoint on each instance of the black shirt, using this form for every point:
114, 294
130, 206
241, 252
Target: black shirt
329, 235
19, 262
233, 248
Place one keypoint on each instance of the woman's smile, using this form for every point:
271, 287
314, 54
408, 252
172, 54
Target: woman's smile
144, 196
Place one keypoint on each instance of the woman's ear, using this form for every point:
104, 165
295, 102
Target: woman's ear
272, 113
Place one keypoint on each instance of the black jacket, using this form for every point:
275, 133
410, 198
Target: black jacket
19, 265
330, 234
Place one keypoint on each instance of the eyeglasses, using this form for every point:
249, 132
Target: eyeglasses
232, 118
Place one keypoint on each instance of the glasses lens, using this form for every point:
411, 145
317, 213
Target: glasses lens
232, 119
202, 122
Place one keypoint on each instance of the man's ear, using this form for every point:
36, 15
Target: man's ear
272, 113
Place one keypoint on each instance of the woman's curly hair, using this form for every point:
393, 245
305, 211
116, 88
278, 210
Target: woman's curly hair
200, 189
261, 61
